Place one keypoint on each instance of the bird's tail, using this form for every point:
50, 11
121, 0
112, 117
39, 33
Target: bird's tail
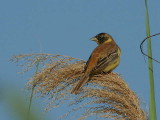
80, 84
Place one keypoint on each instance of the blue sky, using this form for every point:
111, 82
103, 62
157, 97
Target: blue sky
65, 26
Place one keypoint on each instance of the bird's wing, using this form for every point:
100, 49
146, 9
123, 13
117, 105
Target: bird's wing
100, 58
106, 60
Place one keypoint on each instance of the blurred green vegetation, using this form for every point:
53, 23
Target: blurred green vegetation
16, 104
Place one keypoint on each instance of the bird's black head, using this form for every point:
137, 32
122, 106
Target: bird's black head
101, 38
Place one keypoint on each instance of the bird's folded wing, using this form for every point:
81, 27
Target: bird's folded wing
106, 60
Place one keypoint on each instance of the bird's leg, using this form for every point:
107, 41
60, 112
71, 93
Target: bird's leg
103, 72
111, 73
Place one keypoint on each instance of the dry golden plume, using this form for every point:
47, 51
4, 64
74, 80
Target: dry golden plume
109, 95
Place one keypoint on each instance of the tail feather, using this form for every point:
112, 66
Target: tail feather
80, 84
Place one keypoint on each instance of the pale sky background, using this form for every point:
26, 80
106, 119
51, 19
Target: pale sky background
65, 26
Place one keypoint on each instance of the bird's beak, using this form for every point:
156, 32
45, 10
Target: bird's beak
94, 39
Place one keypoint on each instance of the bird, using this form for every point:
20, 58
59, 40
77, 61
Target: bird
104, 59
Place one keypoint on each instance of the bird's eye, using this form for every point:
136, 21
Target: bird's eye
101, 37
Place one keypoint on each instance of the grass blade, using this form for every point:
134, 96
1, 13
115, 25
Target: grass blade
150, 68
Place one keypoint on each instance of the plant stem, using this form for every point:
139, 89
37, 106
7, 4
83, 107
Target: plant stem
152, 113
31, 97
